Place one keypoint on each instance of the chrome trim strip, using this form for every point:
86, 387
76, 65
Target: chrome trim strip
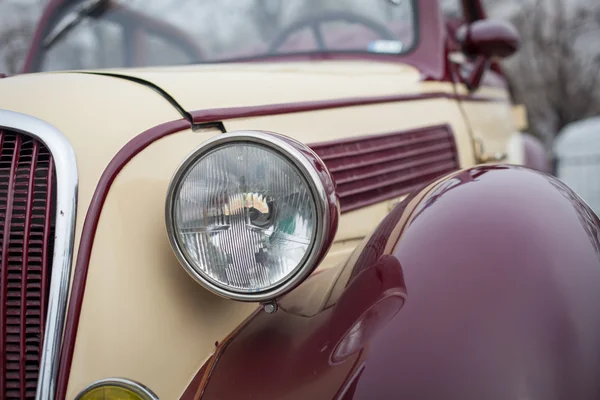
308, 172
135, 387
65, 165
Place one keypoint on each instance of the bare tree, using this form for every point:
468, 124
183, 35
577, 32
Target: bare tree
556, 74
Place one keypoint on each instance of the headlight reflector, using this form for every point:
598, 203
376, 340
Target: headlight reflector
246, 214
244, 223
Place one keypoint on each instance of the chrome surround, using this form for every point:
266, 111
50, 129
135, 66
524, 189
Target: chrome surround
65, 165
135, 387
289, 152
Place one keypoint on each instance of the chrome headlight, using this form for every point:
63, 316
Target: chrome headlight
250, 214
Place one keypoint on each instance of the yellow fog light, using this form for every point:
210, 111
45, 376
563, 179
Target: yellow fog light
116, 389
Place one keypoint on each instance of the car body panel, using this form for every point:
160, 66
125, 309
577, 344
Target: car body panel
257, 83
92, 113
139, 190
492, 303
489, 125
132, 214
488, 110
135, 284
134, 312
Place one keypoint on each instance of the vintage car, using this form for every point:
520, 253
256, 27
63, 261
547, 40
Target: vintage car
285, 200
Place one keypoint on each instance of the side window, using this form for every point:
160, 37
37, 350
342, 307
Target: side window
160, 51
91, 44
454, 18
116, 40
452, 9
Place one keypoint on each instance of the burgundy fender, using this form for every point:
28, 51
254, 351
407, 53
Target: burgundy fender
484, 285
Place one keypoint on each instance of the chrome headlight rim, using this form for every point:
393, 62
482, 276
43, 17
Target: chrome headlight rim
137, 388
290, 151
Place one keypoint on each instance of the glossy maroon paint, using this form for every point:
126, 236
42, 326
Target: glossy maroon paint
486, 40
497, 304
130, 150
473, 10
474, 79
481, 13
429, 55
375, 168
489, 38
536, 156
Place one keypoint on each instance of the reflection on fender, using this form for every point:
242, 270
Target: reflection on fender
484, 293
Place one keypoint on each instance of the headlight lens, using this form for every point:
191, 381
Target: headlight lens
245, 214
116, 389
245, 224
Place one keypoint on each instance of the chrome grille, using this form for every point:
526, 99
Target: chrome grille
26, 243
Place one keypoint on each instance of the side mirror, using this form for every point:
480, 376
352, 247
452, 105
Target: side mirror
486, 40
490, 39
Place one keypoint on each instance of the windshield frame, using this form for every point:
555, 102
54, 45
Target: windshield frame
426, 52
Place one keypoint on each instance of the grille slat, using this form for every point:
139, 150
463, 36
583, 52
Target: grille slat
10, 149
393, 180
368, 145
371, 169
26, 229
24, 268
388, 156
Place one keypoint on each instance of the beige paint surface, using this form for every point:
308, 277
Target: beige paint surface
491, 122
235, 85
516, 149
96, 122
143, 317
520, 116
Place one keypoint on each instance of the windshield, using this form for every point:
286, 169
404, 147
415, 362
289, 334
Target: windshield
109, 34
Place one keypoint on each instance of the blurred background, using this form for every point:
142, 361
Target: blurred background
556, 74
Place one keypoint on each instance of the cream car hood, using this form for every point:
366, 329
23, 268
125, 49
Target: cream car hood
100, 114
210, 86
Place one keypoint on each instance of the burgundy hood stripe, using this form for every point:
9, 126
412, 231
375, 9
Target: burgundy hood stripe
220, 114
